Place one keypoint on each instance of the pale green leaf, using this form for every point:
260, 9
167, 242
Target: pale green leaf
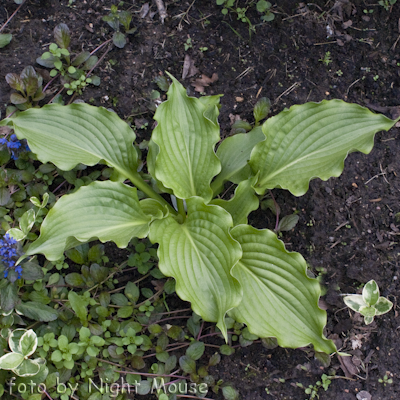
186, 135
5, 39
279, 300
367, 311
154, 208
11, 360
312, 140
382, 306
354, 301
28, 343
27, 368
288, 222
16, 234
27, 220
370, 292
242, 203
234, 154
77, 133
104, 210
200, 254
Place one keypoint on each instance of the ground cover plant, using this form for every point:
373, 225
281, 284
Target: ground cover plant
346, 226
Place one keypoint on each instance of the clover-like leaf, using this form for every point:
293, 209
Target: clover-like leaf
11, 360
355, 302
105, 210
382, 306
279, 299
28, 343
200, 254
370, 292
312, 140
27, 368
186, 134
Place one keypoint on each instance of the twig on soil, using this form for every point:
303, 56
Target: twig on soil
341, 226
287, 91
12, 16
161, 10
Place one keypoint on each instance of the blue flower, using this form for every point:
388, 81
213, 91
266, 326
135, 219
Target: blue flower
14, 145
8, 254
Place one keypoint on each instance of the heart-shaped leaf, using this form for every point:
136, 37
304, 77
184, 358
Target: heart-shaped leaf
105, 210
312, 140
279, 299
186, 134
200, 254
242, 203
78, 133
234, 154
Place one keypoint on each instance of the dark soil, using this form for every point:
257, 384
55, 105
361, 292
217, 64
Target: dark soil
348, 231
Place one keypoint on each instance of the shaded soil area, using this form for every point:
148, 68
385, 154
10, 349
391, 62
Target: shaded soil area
348, 230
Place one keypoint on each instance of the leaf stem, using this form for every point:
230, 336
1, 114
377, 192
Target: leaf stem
181, 208
137, 180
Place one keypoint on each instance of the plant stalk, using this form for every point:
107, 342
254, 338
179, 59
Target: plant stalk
137, 180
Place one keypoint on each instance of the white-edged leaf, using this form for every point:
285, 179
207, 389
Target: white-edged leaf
242, 203
186, 134
368, 320
312, 140
200, 254
11, 360
28, 343
14, 340
77, 133
279, 299
16, 234
354, 301
370, 292
234, 154
382, 306
104, 210
27, 368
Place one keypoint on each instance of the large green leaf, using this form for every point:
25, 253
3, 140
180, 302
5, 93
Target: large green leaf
78, 133
186, 134
200, 254
312, 140
279, 300
242, 203
104, 210
234, 154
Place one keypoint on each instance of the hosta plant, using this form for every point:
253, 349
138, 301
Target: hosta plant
222, 265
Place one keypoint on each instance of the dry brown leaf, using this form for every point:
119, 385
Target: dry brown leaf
200, 83
189, 68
